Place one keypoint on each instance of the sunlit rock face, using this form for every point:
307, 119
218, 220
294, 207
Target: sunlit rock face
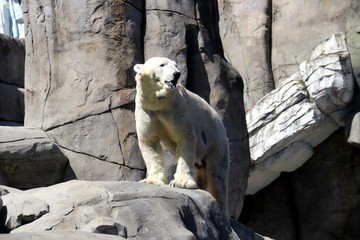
300, 113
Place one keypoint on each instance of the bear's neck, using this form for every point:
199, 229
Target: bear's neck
153, 99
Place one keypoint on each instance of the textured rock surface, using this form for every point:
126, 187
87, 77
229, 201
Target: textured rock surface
20, 209
320, 200
292, 44
87, 107
328, 76
74, 94
353, 37
245, 29
85, 97
300, 113
29, 158
127, 209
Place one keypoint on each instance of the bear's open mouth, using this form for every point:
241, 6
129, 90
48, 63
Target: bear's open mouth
171, 84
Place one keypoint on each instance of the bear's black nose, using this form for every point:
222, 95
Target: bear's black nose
176, 76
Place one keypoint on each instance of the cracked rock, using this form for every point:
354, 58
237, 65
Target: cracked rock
127, 209
300, 113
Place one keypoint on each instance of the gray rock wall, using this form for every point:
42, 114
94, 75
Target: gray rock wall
319, 200
80, 82
267, 40
245, 30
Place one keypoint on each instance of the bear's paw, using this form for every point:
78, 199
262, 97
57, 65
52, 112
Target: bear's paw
183, 182
153, 179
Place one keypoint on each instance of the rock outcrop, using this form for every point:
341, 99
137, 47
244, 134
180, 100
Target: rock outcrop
29, 158
300, 113
267, 40
320, 200
128, 210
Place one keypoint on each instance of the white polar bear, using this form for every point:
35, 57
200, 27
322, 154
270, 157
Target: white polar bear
183, 122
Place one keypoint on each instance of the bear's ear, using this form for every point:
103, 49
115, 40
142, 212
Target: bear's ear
138, 67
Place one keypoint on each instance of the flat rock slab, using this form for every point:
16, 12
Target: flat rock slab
29, 158
130, 210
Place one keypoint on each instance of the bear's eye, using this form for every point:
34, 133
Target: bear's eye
162, 65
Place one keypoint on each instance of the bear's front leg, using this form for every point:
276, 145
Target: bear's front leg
185, 175
153, 155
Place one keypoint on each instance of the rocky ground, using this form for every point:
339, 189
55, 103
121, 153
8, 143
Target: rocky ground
129, 210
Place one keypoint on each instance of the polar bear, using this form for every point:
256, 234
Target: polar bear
183, 122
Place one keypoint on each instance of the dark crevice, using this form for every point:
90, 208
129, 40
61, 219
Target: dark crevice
268, 38
125, 106
118, 137
100, 159
133, 5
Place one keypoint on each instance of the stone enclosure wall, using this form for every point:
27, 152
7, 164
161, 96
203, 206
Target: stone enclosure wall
80, 85
283, 74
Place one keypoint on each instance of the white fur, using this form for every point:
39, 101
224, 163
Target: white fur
184, 123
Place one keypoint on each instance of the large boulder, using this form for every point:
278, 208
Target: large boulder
127, 209
29, 158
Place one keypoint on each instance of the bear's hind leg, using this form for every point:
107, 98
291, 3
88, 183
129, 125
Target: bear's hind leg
217, 169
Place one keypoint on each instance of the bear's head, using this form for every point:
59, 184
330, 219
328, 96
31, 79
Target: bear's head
158, 74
